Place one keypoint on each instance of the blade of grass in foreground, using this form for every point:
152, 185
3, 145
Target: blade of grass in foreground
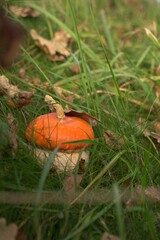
42, 180
118, 206
103, 171
87, 221
107, 59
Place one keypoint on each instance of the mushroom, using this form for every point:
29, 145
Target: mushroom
68, 133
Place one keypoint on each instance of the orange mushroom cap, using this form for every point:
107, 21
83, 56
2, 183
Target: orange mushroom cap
49, 131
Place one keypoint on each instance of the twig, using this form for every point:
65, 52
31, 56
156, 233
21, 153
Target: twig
91, 197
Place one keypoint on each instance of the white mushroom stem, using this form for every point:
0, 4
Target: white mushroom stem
63, 161
54, 105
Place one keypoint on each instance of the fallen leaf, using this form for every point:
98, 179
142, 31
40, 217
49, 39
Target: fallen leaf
150, 129
66, 95
24, 98
56, 58
150, 193
56, 48
11, 35
22, 73
14, 97
134, 197
156, 125
23, 11
81, 114
8, 232
112, 140
75, 68
108, 236
71, 182
13, 130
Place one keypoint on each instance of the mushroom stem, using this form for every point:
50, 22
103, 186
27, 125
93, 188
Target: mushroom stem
53, 104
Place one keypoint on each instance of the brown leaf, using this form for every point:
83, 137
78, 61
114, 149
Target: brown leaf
23, 11
152, 193
8, 232
112, 140
134, 198
56, 58
22, 73
68, 96
71, 182
148, 129
156, 125
13, 130
11, 35
15, 97
75, 68
87, 117
56, 48
24, 98
108, 236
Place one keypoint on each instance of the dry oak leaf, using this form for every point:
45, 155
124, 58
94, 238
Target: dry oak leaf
152, 130
55, 48
112, 140
13, 95
8, 232
149, 193
71, 182
108, 236
13, 130
65, 94
75, 68
23, 11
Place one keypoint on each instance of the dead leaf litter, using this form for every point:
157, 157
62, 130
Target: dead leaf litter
8, 232
56, 48
14, 97
23, 11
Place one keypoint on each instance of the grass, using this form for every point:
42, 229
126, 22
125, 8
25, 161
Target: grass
116, 56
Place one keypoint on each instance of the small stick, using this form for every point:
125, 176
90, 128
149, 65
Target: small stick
101, 196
